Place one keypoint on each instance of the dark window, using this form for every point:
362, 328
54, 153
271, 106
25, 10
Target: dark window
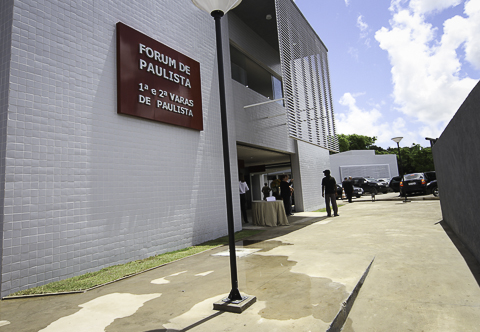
255, 77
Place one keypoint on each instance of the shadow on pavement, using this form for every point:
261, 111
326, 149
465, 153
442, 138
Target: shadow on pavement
269, 233
469, 258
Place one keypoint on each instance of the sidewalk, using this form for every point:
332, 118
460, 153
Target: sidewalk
301, 275
393, 196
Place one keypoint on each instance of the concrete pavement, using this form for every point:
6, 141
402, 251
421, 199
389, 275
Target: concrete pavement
420, 280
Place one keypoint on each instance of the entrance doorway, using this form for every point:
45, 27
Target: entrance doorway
260, 166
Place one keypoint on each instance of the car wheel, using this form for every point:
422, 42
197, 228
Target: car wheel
435, 192
358, 196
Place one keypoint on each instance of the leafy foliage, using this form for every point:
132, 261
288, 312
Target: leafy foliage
355, 142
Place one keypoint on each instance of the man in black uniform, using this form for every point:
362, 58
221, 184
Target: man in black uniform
286, 192
329, 188
348, 187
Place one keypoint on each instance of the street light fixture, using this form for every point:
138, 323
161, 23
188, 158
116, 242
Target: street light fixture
397, 140
432, 141
218, 8
211, 6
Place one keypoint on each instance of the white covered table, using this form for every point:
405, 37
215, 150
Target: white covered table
269, 213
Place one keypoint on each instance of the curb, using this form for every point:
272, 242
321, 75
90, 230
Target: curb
342, 315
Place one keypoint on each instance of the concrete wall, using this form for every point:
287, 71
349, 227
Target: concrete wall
86, 188
457, 165
363, 163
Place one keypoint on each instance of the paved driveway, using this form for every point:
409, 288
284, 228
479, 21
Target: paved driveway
301, 275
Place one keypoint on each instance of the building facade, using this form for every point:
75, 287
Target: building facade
86, 185
363, 163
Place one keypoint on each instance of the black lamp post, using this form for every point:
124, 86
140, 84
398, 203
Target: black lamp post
397, 140
218, 8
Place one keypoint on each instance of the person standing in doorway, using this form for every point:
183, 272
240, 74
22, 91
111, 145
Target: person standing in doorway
266, 191
243, 187
286, 192
329, 188
293, 195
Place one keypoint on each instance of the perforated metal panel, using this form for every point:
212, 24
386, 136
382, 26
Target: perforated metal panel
374, 171
306, 79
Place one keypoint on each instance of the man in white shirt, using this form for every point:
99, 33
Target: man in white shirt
243, 187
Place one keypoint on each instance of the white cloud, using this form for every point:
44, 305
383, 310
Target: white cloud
347, 2
361, 24
467, 30
428, 86
353, 52
427, 6
355, 120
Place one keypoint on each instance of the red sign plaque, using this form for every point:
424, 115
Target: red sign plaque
156, 82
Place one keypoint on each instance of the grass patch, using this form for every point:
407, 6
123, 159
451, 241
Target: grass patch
112, 273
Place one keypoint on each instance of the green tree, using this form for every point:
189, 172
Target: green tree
355, 142
414, 159
421, 159
379, 150
343, 143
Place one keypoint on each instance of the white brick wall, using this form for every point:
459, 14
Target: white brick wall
85, 187
6, 8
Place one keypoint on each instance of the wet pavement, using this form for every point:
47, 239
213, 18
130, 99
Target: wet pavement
421, 279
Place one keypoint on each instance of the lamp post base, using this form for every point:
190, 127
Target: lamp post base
235, 306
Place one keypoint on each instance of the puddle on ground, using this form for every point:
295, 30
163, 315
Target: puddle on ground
97, 314
291, 295
239, 252
284, 295
264, 245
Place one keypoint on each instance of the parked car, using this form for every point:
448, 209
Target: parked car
357, 192
339, 191
369, 185
432, 188
417, 183
383, 180
394, 184
383, 185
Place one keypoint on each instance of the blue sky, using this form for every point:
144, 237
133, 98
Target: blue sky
398, 67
